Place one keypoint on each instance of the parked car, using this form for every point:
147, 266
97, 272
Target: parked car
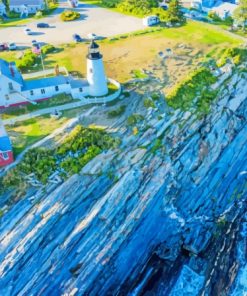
34, 42
43, 25
12, 46
28, 31
92, 36
77, 38
3, 46
151, 20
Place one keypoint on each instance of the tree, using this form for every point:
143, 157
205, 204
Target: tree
6, 3
240, 14
174, 12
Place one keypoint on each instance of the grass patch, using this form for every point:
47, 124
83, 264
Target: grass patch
76, 150
60, 99
118, 112
197, 85
26, 133
139, 74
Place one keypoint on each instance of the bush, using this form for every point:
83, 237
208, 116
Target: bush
12, 14
148, 103
155, 96
69, 15
214, 16
110, 3
77, 149
117, 112
134, 118
237, 55
39, 14
28, 60
196, 85
46, 49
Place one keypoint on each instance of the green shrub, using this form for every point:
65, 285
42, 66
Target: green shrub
236, 55
78, 148
28, 60
117, 112
110, 3
12, 14
134, 118
148, 103
155, 97
48, 48
39, 14
69, 15
183, 95
214, 16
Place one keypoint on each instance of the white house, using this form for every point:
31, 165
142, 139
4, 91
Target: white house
73, 3
25, 7
2, 9
14, 90
224, 10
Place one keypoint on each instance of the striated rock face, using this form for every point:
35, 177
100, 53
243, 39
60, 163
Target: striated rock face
166, 223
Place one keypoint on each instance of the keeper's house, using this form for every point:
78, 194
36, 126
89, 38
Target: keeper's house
14, 90
6, 153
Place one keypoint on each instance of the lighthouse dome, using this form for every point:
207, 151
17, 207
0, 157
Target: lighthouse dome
93, 51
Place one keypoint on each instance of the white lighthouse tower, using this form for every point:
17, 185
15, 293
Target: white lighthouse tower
95, 71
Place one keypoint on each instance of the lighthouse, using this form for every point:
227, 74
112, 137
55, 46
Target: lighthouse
95, 71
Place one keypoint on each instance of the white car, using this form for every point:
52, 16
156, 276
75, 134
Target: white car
92, 36
28, 31
12, 46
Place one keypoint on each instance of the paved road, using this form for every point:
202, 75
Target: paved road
100, 21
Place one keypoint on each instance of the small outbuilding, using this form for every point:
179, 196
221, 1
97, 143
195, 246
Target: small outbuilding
6, 153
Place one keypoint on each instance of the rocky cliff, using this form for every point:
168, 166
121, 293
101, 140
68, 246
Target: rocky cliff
169, 222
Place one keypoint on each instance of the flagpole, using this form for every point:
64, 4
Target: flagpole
42, 62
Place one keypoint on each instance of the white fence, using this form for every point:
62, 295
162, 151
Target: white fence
107, 98
82, 102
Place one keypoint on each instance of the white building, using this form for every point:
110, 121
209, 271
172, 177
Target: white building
73, 3
2, 9
224, 10
14, 90
25, 7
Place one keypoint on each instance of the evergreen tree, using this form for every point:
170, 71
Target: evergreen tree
174, 12
6, 3
240, 13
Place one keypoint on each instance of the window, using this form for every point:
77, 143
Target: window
11, 86
80, 89
6, 97
91, 70
42, 91
5, 155
56, 88
31, 92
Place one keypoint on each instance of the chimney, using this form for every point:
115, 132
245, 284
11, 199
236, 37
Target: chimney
12, 71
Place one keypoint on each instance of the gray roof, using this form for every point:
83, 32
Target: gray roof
25, 2
78, 83
45, 82
5, 70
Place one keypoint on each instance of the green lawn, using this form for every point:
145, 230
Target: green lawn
61, 99
26, 133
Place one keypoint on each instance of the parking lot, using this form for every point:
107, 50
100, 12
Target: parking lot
93, 19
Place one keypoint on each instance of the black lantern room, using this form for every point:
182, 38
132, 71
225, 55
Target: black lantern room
93, 51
